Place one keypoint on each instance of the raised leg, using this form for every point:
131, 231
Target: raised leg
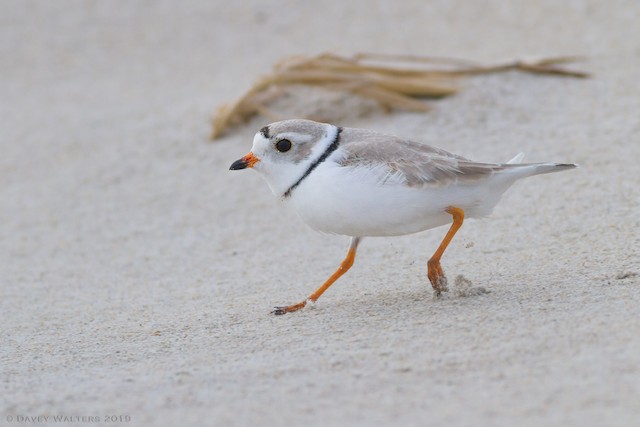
344, 267
436, 274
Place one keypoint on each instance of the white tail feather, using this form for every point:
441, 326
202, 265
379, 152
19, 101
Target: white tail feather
521, 170
517, 159
542, 168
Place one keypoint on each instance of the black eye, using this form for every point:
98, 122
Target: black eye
283, 145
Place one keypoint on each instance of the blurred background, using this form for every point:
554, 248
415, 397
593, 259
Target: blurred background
137, 273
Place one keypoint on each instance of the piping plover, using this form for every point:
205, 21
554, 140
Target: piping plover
359, 183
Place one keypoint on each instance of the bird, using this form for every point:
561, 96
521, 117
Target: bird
362, 183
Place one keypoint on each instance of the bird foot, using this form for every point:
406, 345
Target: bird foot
440, 285
437, 278
279, 311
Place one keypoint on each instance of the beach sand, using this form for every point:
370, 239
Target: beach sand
138, 273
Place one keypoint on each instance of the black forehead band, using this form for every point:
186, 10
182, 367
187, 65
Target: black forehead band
265, 132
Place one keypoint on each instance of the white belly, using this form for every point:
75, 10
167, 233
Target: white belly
352, 202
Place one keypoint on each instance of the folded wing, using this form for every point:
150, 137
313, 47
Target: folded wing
407, 162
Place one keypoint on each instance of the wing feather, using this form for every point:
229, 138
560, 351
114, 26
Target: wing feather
409, 162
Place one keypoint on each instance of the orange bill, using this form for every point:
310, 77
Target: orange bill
246, 162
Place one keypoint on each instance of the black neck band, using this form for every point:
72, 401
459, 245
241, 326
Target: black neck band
330, 149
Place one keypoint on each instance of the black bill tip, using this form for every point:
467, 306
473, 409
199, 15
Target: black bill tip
238, 164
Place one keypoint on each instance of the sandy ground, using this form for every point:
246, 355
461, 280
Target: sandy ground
138, 273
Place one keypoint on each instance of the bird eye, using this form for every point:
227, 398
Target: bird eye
283, 145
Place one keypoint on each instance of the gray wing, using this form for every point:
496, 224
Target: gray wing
408, 162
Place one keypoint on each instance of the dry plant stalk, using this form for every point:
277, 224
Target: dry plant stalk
376, 76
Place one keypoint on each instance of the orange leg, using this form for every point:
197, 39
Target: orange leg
436, 274
344, 267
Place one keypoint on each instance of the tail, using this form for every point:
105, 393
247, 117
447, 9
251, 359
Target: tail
531, 169
517, 159
505, 175
542, 168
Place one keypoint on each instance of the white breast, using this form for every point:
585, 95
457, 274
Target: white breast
354, 201
350, 201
